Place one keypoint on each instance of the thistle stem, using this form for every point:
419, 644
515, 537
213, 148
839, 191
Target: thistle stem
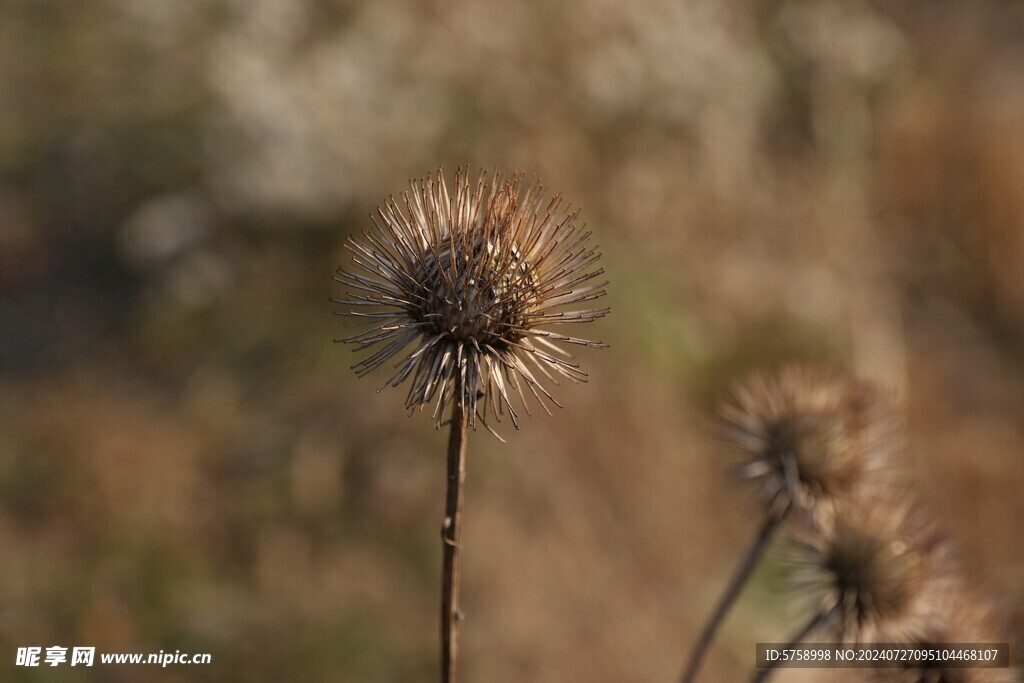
732, 591
820, 617
451, 532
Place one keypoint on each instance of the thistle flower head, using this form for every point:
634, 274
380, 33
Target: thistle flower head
937, 675
878, 568
968, 614
463, 288
806, 436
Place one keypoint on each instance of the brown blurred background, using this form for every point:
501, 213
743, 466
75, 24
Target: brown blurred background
186, 461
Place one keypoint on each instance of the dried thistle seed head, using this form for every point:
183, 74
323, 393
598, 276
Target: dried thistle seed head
937, 675
968, 615
877, 566
471, 282
808, 436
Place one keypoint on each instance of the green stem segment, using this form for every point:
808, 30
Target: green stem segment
732, 591
451, 532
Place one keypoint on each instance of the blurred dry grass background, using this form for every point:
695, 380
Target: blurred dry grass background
186, 461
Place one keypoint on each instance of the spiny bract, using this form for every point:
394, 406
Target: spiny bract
473, 278
808, 437
878, 566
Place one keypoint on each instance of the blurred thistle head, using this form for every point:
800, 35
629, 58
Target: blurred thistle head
969, 614
934, 674
877, 567
946, 675
471, 281
807, 437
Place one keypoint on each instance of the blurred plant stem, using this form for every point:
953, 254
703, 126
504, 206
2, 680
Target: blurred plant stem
451, 532
820, 617
732, 591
